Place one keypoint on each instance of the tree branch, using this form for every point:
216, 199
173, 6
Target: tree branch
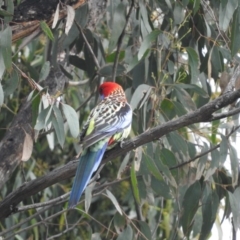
202, 114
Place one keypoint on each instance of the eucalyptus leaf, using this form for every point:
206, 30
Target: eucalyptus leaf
11, 84
72, 119
140, 96
46, 29
135, 184
58, 124
147, 42
1, 95
193, 64
127, 234
114, 201
190, 205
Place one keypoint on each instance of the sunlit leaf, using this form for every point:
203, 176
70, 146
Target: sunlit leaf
46, 30
70, 18
1, 95
27, 147
234, 164
114, 201
72, 119
56, 17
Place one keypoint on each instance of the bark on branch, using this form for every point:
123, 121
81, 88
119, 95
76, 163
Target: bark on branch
203, 114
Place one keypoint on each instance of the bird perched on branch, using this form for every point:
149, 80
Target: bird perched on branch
108, 124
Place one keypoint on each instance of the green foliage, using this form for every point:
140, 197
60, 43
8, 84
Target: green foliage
169, 64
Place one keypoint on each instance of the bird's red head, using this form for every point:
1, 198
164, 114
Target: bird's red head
108, 88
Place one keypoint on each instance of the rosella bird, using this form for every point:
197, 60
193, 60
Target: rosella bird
108, 124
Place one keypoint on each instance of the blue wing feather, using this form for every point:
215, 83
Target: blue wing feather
88, 164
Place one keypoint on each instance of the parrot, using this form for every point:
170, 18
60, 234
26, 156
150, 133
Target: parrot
108, 124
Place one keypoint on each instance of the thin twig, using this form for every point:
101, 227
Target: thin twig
24, 221
120, 40
230, 113
88, 45
74, 83
35, 225
94, 219
66, 230
53, 202
204, 153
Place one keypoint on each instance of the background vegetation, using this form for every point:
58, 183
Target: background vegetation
178, 173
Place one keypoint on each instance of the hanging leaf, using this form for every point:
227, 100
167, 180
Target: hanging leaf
123, 165
5, 47
140, 95
72, 119
193, 64
235, 207
88, 195
11, 84
127, 234
114, 201
70, 18
226, 11
234, 164
117, 26
223, 150
209, 211
134, 183
46, 30
190, 205
56, 17
147, 42
1, 95
44, 71
58, 124
235, 32
43, 117
27, 147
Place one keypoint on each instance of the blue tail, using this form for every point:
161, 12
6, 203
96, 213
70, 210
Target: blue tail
88, 164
